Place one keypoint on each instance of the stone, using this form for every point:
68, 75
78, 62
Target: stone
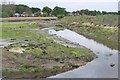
112, 64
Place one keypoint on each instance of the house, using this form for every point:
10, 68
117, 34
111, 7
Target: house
32, 15
24, 14
70, 14
16, 15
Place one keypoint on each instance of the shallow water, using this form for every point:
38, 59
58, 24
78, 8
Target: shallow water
99, 67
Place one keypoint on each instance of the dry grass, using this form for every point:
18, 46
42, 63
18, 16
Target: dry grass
25, 18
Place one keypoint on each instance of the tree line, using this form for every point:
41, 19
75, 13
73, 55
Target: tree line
92, 13
11, 9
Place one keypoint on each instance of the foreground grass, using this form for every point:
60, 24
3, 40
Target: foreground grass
33, 55
92, 27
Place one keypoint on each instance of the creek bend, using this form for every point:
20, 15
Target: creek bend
99, 67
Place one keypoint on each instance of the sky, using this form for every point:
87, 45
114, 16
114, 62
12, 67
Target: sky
73, 5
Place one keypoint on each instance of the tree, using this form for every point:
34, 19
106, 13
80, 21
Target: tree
23, 8
8, 10
104, 12
35, 10
59, 12
87, 12
47, 11
118, 12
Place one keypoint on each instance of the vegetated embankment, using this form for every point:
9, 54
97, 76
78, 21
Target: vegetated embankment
102, 28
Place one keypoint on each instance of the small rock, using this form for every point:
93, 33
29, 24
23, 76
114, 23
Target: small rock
109, 54
67, 46
12, 62
97, 57
26, 40
13, 39
61, 61
112, 64
75, 66
51, 41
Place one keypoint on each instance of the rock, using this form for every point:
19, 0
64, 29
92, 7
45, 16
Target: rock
61, 61
75, 66
13, 39
112, 64
109, 54
26, 40
12, 62
97, 57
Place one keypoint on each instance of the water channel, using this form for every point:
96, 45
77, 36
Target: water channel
99, 67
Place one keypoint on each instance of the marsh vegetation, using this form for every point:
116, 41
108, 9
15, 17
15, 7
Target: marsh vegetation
35, 54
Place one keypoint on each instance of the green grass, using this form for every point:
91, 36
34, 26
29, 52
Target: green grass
110, 20
19, 25
107, 36
19, 30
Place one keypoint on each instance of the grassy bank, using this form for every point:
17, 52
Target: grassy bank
100, 28
34, 55
105, 20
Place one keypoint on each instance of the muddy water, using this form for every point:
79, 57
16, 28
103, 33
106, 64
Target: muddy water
99, 67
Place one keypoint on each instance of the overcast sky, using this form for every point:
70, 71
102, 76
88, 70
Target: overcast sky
71, 5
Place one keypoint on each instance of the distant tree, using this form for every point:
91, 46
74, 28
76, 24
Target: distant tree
60, 12
104, 12
115, 13
46, 11
99, 13
87, 12
74, 12
8, 10
35, 10
118, 12
23, 8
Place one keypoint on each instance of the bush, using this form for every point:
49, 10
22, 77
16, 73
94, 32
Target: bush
60, 16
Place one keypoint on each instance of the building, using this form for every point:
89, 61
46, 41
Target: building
17, 15
70, 14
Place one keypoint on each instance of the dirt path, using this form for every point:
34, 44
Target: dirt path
27, 18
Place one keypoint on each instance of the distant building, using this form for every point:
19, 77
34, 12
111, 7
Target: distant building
77, 14
24, 14
17, 15
70, 14
32, 15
